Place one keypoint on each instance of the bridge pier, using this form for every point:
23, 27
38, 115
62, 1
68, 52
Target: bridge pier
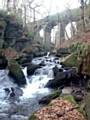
47, 40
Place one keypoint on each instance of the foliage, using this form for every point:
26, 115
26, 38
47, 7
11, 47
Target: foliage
71, 61
31, 35
70, 98
32, 117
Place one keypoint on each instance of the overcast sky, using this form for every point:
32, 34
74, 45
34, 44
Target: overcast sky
52, 6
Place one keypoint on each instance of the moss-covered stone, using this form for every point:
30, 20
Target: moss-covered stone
16, 72
80, 58
71, 61
80, 107
87, 108
70, 98
2, 28
32, 117
3, 60
47, 99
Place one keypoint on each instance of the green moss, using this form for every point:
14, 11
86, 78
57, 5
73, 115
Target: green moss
69, 98
16, 72
14, 66
32, 117
47, 99
71, 61
80, 107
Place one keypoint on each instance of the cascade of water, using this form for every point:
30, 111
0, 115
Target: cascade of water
50, 74
36, 82
48, 53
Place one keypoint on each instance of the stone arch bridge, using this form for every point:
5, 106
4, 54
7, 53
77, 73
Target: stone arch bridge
61, 19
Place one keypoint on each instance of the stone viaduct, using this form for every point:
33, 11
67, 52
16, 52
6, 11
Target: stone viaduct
63, 19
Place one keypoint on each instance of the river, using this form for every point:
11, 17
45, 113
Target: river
32, 92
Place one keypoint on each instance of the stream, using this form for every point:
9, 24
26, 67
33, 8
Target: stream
32, 92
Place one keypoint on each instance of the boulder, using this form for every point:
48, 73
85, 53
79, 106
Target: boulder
2, 29
65, 78
47, 99
78, 94
58, 81
10, 53
25, 59
3, 62
31, 68
16, 73
70, 60
56, 70
62, 51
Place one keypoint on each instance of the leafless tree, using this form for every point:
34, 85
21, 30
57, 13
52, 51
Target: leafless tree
7, 4
15, 2
82, 3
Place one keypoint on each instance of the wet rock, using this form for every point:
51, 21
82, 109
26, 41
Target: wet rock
25, 59
67, 90
47, 99
88, 85
16, 73
4, 116
31, 68
19, 117
65, 78
56, 70
62, 51
58, 81
3, 62
78, 94
2, 29
42, 63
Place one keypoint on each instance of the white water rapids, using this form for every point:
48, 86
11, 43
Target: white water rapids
34, 89
37, 82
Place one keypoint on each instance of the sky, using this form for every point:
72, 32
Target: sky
49, 7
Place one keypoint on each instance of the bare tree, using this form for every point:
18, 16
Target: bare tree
82, 3
15, 5
7, 4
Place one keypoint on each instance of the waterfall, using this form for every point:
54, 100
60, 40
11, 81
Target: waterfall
48, 53
36, 83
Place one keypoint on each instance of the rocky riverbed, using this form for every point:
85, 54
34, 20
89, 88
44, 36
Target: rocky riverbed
48, 76
32, 92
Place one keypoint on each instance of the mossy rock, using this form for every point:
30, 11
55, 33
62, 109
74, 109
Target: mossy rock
31, 68
87, 108
80, 107
47, 99
71, 61
16, 72
32, 117
69, 98
3, 62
